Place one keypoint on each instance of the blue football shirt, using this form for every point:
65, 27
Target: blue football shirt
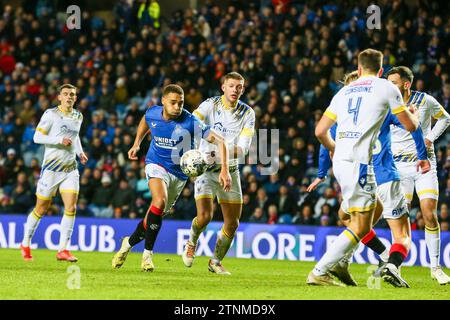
172, 138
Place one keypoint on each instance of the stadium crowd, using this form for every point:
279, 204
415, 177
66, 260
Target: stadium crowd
292, 55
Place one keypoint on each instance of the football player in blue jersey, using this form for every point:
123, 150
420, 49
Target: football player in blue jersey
173, 130
394, 208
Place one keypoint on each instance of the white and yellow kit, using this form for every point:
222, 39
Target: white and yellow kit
360, 109
59, 167
404, 150
237, 126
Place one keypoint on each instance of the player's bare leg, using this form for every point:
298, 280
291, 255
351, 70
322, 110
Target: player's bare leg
31, 225
199, 223
360, 224
341, 269
428, 207
69, 199
231, 215
401, 233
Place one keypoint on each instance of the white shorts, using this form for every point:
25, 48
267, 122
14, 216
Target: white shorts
427, 185
207, 186
174, 185
50, 181
393, 200
358, 186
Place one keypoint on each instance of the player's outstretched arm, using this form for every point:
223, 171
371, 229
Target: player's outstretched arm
142, 131
41, 138
224, 176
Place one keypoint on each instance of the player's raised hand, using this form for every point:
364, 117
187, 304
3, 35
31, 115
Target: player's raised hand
132, 153
67, 142
423, 165
225, 180
83, 158
314, 184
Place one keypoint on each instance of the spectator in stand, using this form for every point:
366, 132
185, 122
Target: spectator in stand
258, 216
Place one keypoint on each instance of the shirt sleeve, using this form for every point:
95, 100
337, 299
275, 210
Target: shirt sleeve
247, 132
202, 111
200, 129
77, 146
45, 123
395, 99
443, 119
331, 112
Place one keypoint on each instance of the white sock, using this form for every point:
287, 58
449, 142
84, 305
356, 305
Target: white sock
343, 244
195, 231
31, 225
67, 223
348, 256
432, 238
384, 256
147, 253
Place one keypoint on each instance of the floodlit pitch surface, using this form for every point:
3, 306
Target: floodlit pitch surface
93, 278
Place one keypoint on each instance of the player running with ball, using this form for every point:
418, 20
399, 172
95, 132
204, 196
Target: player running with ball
173, 130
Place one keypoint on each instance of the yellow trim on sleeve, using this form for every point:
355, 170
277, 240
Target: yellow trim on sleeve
399, 109
330, 115
432, 191
199, 115
42, 131
247, 132
439, 114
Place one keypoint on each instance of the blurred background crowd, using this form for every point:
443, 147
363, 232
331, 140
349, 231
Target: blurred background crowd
293, 56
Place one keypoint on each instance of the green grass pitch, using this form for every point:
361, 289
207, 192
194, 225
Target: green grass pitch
46, 278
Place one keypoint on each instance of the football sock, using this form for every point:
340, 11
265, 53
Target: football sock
371, 241
31, 225
67, 223
195, 231
154, 221
138, 234
223, 243
397, 254
343, 244
348, 256
432, 238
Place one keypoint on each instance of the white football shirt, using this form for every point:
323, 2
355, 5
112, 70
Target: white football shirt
236, 124
360, 109
58, 125
403, 145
